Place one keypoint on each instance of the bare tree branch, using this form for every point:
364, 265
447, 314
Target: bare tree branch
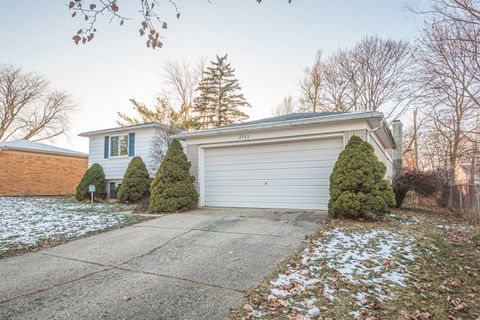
28, 110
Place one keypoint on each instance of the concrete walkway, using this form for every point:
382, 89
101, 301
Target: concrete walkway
181, 266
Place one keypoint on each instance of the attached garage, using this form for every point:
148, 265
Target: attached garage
292, 175
282, 162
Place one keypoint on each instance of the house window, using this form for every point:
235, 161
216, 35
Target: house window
119, 146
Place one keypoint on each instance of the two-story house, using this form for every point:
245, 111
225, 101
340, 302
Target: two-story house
114, 148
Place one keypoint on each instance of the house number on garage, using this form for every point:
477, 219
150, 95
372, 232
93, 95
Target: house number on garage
244, 137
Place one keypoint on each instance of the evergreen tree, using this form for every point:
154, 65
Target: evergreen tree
136, 182
94, 175
357, 184
220, 96
172, 187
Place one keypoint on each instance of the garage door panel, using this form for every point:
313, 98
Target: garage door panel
334, 143
249, 200
271, 182
268, 174
293, 175
318, 164
266, 156
267, 190
266, 205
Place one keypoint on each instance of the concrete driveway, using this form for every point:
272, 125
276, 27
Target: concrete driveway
181, 266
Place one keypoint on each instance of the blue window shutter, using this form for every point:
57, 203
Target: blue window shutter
106, 147
131, 144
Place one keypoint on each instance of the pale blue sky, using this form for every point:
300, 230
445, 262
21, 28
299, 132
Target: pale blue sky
268, 44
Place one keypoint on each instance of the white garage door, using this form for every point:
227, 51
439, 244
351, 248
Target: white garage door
293, 175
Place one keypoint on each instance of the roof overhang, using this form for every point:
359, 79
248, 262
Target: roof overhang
128, 128
375, 119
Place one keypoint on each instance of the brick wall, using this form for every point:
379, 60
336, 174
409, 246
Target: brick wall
29, 173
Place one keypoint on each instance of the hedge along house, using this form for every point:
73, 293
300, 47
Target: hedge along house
35, 169
280, 162
114, 148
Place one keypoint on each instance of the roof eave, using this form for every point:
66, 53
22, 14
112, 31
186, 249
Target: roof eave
280, 124
385, 131
127, 128
78, 155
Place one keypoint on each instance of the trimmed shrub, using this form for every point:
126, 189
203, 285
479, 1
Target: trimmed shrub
424, 183
357, 184
94, 175
172, 187
136, 182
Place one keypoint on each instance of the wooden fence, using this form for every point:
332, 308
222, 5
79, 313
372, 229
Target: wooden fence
463, 199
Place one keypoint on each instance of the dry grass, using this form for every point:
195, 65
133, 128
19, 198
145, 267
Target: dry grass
441, 282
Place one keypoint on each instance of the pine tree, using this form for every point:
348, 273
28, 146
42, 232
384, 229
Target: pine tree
220, 96
357, 184
172, 187
136, 182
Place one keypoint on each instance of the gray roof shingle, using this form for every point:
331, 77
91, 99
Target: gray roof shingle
287, 117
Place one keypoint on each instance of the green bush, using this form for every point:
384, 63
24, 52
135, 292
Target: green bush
172, 187
136, 182
94, 175
357, 184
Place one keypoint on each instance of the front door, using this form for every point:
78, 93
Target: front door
113, 191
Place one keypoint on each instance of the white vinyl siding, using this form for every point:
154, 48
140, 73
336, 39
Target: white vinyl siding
382, 156
291, 175
115, 167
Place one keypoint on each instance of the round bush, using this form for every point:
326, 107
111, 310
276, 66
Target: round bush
94, 175
357, 184
136, 182
172, 187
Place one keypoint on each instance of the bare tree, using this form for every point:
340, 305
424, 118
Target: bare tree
173, 107
175, 100
179, 88
28, 109
311, 85
285, 107
373, 74
449, 104
337, 94
379, 72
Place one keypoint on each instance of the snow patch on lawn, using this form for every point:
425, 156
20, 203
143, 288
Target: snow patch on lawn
372, 262
26, 221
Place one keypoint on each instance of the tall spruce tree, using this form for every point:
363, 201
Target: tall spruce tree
220, 96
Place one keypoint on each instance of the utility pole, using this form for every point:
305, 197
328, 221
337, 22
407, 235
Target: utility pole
415, 143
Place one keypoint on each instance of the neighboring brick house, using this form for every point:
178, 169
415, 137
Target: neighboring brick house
31, 169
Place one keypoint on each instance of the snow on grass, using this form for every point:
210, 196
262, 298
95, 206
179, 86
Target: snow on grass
366, 264
26, 222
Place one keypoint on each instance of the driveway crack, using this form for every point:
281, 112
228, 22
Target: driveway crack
180, 279
216, 231
60, 284
76, 260
155, 249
